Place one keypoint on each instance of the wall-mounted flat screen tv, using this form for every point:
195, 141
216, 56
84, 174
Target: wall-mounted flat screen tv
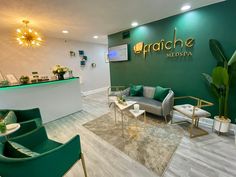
118, 53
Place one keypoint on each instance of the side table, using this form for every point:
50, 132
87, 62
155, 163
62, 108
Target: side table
11, 128
137, 114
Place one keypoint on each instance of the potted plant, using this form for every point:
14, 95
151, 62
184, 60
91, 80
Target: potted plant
24, 79
220, 81
60, 71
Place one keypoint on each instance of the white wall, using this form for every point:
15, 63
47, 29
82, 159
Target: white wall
22, 61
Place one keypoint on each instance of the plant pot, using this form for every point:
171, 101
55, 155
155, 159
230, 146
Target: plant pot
221, 124
60, 76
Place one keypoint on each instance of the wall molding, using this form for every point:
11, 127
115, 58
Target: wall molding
90, 92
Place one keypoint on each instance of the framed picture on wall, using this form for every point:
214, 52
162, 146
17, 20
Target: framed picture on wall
12, 79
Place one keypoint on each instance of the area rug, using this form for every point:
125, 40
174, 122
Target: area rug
151, 143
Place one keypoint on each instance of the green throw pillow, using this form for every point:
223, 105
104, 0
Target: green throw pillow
21, 151
136, 90
160, 93
10, 118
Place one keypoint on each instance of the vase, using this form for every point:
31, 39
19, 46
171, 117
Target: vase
60, 76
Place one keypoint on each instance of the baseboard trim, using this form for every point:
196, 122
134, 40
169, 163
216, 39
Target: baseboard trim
90, 92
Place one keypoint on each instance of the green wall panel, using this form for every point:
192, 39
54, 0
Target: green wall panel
183, 75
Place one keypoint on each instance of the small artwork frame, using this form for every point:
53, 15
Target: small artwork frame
11, 78
81, 52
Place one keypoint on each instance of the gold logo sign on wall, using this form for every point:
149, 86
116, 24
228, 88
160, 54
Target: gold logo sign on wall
28, 37
168, 46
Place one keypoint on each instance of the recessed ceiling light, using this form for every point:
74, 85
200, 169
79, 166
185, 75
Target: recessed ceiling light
134, 24
185, 7
65, 31
95, 37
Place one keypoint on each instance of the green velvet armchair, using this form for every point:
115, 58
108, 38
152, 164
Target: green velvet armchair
49, 158
29, 120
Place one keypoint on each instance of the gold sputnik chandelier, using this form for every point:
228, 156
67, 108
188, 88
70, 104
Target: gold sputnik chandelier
27, 37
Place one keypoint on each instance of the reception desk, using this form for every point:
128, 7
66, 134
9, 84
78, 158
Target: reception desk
55, 99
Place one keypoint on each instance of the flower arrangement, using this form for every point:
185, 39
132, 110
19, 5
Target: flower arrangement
59, 70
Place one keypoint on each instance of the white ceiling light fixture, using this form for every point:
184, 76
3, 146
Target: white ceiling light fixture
95, 37
185, 7
134, 24
65, 31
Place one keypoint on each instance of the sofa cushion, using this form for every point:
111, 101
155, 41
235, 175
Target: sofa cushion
148, 104
136, 90
160, 93
148, 92
10, 118
187, 109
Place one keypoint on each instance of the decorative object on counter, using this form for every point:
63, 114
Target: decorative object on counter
35, 77
4, 83
24, 79
60, 71
72, 53
28, 37
93, 65
12, 80
70, 73
53, 78
44, 78
220, 82
1, 77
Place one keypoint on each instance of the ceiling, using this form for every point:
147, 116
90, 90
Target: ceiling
86, 18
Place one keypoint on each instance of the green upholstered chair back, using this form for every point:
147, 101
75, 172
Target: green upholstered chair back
54, 162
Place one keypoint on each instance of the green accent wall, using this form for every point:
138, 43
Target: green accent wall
183, 75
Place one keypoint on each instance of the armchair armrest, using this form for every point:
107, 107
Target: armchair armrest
32, 138
168, 103
53, 163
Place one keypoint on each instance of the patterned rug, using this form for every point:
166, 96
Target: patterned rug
152, 144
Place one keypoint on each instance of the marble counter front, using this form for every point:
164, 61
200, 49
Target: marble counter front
55, 99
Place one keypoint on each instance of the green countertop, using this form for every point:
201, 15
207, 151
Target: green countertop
37, 84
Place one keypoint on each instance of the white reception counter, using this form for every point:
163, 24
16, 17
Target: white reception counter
54, 98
